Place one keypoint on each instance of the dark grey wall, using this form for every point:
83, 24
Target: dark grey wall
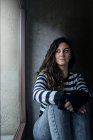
47, 20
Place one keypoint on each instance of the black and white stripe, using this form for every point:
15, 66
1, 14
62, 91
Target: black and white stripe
44, 96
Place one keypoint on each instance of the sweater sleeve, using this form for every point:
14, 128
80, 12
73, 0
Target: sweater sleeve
81, 95
81, 85
41, 93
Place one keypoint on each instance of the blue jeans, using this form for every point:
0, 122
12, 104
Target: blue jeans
55, 124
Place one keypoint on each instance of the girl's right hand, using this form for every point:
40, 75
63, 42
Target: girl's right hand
68, 106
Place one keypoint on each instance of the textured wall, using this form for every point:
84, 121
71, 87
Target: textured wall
10, 108
46, 20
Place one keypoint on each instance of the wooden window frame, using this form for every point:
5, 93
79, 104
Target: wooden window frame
20, 133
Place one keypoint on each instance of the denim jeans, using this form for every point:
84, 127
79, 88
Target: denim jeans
56, 124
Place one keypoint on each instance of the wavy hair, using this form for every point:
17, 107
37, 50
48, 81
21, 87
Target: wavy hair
50, 68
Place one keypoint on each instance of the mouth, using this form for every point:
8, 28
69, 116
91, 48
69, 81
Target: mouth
61, 59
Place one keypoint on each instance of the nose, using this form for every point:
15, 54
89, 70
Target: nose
62, 53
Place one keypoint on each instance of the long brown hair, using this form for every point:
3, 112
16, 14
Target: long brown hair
50, 67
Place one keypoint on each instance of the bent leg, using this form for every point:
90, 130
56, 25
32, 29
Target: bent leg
80, 126
41, 127
59, 123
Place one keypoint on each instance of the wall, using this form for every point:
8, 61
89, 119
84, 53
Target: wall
46, 20
10, 107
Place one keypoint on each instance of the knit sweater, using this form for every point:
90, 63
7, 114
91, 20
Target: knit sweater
45, 97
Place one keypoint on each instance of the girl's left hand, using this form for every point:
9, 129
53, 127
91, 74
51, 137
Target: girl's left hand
82, 109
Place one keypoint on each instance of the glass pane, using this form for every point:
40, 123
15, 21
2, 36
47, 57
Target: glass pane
10, 105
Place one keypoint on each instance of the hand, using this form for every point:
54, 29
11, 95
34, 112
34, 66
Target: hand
82, 109
68, 106
78, 99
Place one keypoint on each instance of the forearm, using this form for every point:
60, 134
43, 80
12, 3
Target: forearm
41, 93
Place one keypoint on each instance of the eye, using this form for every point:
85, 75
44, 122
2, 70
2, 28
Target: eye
58, 51
67, 50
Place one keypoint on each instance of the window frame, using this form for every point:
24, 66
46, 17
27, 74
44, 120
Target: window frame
20, 133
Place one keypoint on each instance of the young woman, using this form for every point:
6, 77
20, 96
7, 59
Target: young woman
63, 96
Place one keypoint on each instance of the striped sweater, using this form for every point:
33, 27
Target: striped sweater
41, 94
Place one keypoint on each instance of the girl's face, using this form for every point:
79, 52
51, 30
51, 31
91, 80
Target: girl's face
63, 54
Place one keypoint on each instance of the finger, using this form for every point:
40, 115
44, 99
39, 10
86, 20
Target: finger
70, 108
82, 110
67, 104
82, 106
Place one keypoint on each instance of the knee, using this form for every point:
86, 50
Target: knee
38, 135
54, 109
39, 132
